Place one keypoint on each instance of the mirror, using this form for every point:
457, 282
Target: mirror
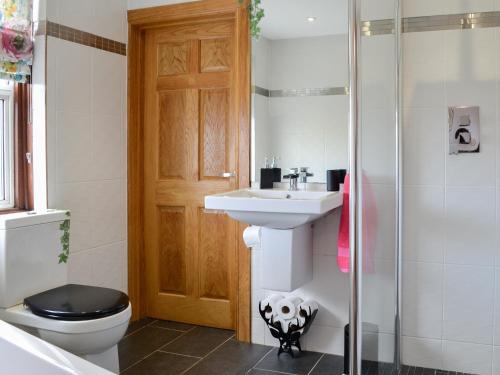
299, 77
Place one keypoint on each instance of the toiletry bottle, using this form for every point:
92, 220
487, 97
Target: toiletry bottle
276, 170
266, 176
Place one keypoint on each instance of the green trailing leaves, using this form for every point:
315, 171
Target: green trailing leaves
256, 13
64, 227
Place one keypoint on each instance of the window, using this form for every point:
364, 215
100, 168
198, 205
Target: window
6, 145
16, 190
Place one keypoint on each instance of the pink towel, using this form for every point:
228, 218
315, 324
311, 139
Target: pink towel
369, 229
343, 240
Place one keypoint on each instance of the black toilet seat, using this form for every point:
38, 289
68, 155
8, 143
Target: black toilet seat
77, 302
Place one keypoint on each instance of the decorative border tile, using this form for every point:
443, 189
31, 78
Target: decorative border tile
290, 93
81, 37
462, 21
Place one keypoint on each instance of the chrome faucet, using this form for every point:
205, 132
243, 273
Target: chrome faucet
303, 174
292, 177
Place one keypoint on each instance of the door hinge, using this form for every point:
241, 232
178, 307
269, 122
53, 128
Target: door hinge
28, 157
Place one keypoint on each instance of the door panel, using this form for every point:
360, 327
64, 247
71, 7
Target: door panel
216, 55
214, 119
190, 140
177, 116
215, 254
171, 250
172, 58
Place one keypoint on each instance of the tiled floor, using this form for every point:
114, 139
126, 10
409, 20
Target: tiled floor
154, 347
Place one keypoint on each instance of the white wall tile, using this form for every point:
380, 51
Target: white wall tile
73, 142
73, 76
109, 212
496, 360
325, 234
423, 300
424, 224
468, 304
378, 151
424, 69
306, 62
378, 73
497, 254
378, 286
109, 265
109, 147
109, 73
337, 134
422, 352
109, 19
324, 339
496, 338
470, 226
330, 288
377, 10
53, 10
77, 14
260, 61
466, 357
425, 138
80, 268
104, 18
258, 331
379, 220
258, 294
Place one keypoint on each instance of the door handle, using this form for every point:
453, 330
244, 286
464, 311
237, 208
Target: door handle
229, 174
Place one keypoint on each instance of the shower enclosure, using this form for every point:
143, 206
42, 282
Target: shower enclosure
425, 186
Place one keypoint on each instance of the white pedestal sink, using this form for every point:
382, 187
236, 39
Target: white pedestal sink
276, 209
286, 234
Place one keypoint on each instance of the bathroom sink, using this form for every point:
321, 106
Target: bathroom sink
277, 209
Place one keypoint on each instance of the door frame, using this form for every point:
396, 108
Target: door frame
138, 21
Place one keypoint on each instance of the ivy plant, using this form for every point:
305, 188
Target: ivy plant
64, 227
256, 13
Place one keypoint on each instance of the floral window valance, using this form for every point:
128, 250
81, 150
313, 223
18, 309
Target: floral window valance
16, 49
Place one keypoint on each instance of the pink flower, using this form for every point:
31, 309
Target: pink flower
16, 44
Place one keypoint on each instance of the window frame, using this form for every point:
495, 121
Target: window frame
7, 148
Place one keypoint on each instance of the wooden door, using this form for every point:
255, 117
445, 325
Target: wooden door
190, 142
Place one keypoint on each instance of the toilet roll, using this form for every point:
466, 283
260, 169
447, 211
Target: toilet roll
271, 300
251, 236
287, 307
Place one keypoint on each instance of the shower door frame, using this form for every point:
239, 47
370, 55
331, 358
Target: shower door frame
356, 193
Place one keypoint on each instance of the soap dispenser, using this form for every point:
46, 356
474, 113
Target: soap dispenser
266, 176
276, 170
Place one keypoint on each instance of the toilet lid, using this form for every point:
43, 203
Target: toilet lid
77, 302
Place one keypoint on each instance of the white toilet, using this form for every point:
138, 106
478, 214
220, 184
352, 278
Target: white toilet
34, 294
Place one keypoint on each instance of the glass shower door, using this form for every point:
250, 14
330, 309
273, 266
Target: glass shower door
378, 146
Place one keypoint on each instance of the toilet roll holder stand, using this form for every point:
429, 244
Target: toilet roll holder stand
290, 338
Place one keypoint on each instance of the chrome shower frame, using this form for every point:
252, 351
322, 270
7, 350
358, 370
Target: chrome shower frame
356, 187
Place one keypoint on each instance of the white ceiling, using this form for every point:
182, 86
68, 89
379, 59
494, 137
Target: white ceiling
286, 19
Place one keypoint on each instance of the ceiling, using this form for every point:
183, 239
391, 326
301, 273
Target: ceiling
286, 19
